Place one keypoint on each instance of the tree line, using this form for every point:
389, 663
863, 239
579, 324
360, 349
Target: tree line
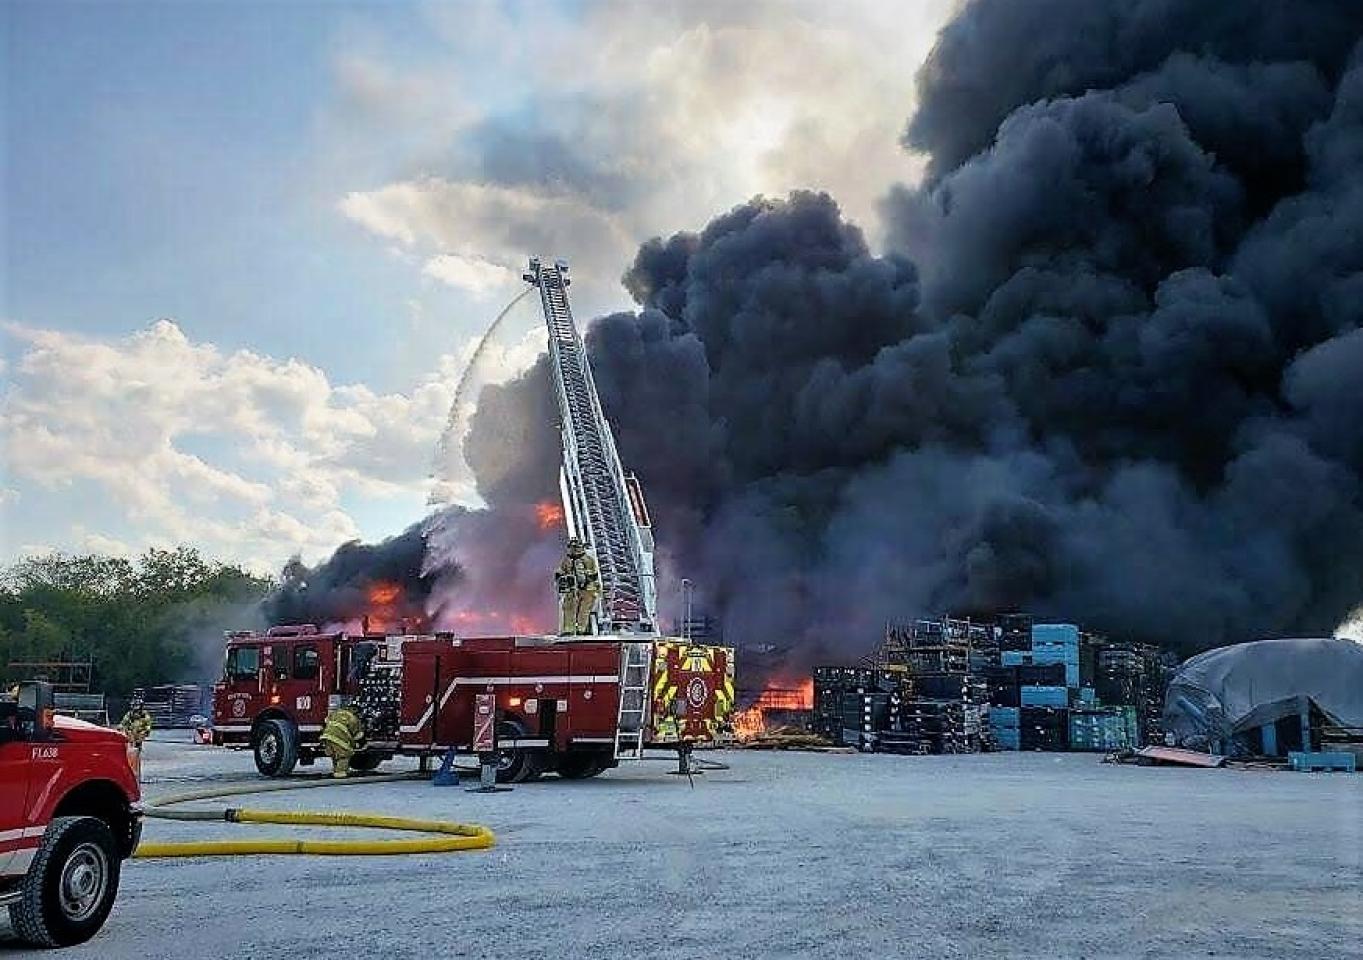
157, 618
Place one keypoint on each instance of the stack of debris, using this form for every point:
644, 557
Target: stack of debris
178, 705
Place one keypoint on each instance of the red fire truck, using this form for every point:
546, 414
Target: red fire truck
70, 813
575, 706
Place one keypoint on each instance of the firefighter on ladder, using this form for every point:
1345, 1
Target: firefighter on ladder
578, 581
342, 736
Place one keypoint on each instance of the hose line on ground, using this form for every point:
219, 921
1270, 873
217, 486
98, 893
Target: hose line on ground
449, 835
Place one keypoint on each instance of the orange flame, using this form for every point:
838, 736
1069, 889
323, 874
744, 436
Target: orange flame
387, 610
549, 515
752, 722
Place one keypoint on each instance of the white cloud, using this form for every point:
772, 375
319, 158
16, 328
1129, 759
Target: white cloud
475, 274
629, 120
246, 455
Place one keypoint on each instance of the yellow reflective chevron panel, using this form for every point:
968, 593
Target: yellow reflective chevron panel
692, 692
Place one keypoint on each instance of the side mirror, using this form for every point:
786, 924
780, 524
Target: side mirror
36, 709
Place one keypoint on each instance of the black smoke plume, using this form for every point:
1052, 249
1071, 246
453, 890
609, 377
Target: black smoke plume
1109, 368
382, 581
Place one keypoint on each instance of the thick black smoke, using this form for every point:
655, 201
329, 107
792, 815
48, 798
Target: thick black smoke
384, 581
1108, 370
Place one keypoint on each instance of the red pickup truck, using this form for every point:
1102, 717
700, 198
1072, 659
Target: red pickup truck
70, 813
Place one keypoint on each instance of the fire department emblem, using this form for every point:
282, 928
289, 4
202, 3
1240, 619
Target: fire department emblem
238, 708
697, 692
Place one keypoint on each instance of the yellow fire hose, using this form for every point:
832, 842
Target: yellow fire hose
450, 836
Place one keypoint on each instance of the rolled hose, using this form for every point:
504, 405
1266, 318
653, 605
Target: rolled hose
449, 836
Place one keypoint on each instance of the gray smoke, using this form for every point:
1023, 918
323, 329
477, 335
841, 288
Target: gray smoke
1108, 369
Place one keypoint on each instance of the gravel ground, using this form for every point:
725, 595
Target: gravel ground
783, 855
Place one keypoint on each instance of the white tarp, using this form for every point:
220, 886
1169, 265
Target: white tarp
1231, 690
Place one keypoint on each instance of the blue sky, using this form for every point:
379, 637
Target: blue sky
248, 246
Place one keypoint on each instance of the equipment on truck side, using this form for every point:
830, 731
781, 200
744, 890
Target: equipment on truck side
574, 703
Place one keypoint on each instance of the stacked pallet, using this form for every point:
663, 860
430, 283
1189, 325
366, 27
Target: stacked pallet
1014, 631
1004, 723
1133, 674
933, 726
831, 685
1043, 728
176, 705
1057, 643
1103, 729
864, 715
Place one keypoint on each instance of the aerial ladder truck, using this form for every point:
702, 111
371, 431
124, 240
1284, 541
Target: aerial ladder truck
574, 705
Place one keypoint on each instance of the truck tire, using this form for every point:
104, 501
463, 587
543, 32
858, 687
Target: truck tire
365, 762
70, 886
276, 748
580, 765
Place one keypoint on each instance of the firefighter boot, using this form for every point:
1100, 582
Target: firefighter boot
340, 766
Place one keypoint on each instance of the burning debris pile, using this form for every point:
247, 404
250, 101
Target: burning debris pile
776, 706
1106, 370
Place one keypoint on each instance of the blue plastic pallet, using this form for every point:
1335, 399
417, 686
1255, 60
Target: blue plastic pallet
1317, 760
1060, 633
1004, 716
1045, 696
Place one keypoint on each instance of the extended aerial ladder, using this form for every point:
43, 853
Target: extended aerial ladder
602, 504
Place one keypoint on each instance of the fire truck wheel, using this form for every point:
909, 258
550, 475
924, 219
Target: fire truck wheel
580, 766
513, 766
70, 886
364, 762
276, 748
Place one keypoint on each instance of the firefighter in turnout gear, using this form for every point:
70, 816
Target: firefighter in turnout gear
342, 736
578, 581
136, 726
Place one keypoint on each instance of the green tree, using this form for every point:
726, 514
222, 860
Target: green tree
140, 622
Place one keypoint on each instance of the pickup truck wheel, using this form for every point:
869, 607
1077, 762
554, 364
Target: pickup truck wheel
276, 748
70, 886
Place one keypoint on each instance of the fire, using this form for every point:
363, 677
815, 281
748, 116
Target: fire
752, 722
388, 610
470, 622
549, 515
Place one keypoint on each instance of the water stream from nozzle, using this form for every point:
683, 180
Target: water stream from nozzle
456, 426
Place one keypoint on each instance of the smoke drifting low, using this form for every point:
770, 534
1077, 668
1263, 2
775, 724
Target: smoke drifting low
1108, 369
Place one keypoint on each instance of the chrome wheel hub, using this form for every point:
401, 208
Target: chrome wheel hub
83, 882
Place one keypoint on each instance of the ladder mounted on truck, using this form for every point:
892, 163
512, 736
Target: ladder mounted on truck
636, 659
601, 503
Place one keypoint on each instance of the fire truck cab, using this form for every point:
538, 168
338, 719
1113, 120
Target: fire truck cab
70, 813
277, 688
569, 705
